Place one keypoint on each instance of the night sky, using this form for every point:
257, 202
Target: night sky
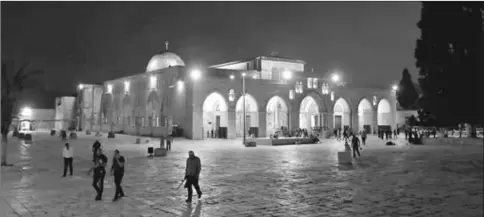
73, 42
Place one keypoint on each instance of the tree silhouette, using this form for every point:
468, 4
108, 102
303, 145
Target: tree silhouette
407, 95
448, 54
12, 89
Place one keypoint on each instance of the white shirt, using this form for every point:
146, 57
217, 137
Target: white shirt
68, 153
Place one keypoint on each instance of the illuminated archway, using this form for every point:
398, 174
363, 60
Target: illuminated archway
384, 113
277, 115
215, 116
107, 108
341, 114
365, 115
153, 108
251, 116
127, 112
309, 113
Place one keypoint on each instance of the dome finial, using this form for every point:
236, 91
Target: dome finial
166, 45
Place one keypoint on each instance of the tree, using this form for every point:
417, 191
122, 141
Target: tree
448, 54
12, 88
407, 95
411, 121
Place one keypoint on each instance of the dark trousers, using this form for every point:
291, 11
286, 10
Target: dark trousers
98, 182
363, 139
68, 163
168, 145
119, 189
192, 180
356, 150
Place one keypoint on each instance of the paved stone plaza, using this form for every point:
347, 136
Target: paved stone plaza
304, 180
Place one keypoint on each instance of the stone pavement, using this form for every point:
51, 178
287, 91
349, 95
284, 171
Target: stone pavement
303, 180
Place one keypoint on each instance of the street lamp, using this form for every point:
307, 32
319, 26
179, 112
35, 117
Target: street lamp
195, 74
232, 77
81, 86
395, 87
335, 77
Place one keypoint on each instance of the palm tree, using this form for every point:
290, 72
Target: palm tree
12, 88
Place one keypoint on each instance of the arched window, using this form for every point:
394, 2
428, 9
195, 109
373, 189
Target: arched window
310, 83
332, 95
315, 83
231, 95
291, 94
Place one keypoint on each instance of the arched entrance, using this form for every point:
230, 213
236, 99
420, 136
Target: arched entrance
277, 115
384, 114
251, 116
365, 115
341, 114
309, 117
127, 113
152, 109
215, 116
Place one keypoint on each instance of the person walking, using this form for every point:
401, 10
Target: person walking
95, 146
192, 175
355, 143
363, 137
68, 154
169, 140
99, 174
117, 170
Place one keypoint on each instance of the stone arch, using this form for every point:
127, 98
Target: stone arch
309, 113
215, 115
153, 107
251, 116
341, 114
365, 115
127, 110
384, 111
106, 107
277, 116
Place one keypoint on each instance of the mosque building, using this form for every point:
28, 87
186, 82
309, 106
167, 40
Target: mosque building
280, 94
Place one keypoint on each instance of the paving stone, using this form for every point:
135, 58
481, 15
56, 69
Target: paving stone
305, 180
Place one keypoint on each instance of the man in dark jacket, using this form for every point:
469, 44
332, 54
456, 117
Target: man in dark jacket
192, 174
99, 173
118, 171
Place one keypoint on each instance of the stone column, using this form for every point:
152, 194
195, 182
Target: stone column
262, 124
231, 131
293, 120
374, 125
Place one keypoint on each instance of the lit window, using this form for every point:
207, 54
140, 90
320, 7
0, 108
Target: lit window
117, 120
231, 95
325, 88
332, 96
374, 100
157, 121
153, 82
126, 86
291, 94
310, 83
315, 83
109, 88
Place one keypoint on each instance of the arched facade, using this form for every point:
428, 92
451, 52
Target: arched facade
277, 115
341, 114
309, 115
215, 115
251, 116
384, 111
153, 108
365, 116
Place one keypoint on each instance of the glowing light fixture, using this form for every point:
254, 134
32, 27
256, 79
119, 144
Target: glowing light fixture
195, 74
395, 87
126, 86
110, 88
232, 77
287, 75
153, 82
180, 85
81, 86
26, 112
244, 74
335, 77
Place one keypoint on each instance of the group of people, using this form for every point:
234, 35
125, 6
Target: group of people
98, 170
387, 134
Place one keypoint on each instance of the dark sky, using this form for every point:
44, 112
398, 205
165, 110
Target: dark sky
370, 42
